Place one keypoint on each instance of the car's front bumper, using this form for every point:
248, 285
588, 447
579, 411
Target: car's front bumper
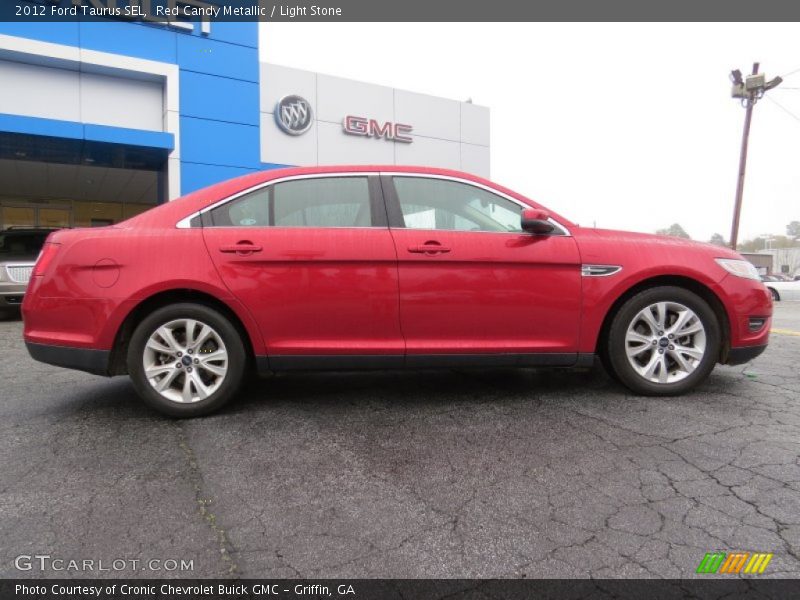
82, 359
740, 356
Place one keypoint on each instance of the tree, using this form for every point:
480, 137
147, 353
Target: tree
675, 230
718, 240
793, 230
772, 242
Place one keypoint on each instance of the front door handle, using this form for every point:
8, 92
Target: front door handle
429, 248
243, 248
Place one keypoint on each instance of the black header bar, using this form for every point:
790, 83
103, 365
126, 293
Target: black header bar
402, 11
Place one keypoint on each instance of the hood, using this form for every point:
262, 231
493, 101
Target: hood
651, 240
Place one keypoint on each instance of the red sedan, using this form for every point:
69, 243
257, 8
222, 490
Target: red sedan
378, 268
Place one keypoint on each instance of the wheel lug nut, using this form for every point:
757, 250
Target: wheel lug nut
189, 369
660, 333
190, 351
661, 351
671, 347
671, 336
180, 353
178, 365
655, 342
197, 361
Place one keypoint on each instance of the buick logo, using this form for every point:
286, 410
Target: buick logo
293, 115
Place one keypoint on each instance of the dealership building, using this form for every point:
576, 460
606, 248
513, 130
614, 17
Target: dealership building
101, 120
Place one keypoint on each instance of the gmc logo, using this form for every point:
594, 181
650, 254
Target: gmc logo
396, 132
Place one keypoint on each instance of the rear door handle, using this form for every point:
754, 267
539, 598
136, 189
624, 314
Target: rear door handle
429, 248
240, 248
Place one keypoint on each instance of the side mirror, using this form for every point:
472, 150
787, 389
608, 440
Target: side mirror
536, 221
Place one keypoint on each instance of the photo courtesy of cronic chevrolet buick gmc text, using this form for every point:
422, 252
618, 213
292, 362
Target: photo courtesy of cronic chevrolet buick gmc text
378, 268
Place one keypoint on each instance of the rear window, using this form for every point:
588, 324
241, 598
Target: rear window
19, 244
312, 202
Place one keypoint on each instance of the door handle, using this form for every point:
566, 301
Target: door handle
240, 248
429, 248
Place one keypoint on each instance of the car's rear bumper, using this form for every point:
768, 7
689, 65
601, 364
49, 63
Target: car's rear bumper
82, 359
740, 356
11, 295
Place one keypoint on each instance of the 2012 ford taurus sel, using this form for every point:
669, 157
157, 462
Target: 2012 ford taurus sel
377, 268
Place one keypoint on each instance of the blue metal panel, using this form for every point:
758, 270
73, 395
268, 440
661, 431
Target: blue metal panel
153, 42
195, 176
45, 31
217, 58
219, 143
270, 166
37, 126
219, 98
79, 131
244, 34
129, 137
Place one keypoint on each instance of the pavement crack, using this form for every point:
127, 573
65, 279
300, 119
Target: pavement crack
204, 503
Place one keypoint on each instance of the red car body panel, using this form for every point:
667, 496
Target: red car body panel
489, 293
317, 291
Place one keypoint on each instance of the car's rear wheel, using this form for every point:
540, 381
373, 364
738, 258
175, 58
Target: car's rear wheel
663, 341
186, 360
775, 295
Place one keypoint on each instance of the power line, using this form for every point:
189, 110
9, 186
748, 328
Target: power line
797, 70
783, 108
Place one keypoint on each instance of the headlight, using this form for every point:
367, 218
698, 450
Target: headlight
740, 268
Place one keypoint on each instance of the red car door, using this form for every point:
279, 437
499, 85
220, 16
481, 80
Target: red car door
472, 282
313, 260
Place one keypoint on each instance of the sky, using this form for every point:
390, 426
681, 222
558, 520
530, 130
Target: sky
622, 126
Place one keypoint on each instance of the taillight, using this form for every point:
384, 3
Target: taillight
45, 258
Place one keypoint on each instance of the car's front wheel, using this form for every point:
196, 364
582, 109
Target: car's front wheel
663, 341
186, 360
776, 297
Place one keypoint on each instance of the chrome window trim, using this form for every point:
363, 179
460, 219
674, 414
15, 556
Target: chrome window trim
185, 222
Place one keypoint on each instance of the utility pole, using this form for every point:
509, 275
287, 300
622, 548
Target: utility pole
749, 91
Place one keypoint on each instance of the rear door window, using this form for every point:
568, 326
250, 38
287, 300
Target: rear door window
312, 202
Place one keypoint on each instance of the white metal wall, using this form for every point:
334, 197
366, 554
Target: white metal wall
447, 133
72, 95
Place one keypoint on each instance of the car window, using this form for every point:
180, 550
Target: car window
451, 205
21, 244
314, 202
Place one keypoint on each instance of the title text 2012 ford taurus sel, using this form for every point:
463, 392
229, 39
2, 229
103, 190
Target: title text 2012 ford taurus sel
380, 267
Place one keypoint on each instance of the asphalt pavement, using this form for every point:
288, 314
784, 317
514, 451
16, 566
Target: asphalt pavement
500, 473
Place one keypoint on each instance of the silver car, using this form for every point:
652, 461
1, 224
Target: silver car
18, 251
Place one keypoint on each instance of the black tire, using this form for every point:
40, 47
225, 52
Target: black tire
607, 367
776, 297
616, 347
230, 336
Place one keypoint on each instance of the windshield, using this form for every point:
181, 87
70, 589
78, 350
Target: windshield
21, 244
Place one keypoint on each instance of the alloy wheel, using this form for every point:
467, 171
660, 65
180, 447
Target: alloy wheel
185, 360
665, 342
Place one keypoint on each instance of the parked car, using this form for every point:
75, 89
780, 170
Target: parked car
784, 290
376, 268
19, 248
